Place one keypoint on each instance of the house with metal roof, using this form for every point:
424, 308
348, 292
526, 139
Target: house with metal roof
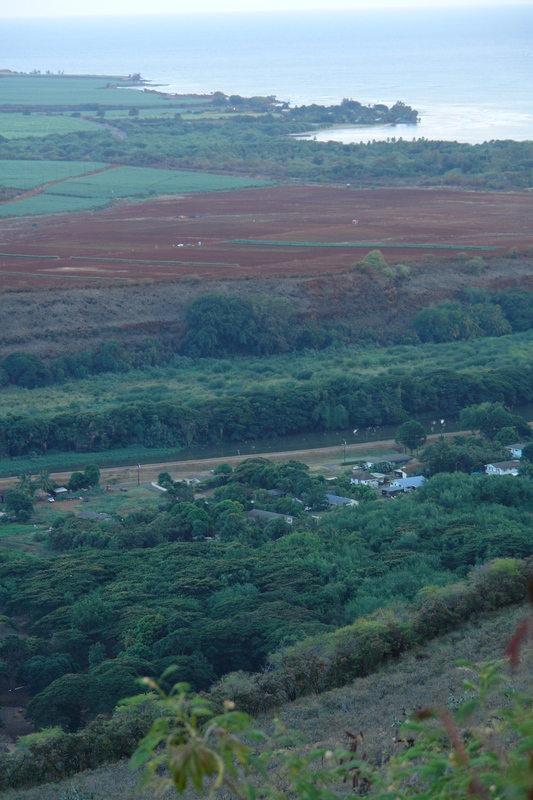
337, 500
409, 484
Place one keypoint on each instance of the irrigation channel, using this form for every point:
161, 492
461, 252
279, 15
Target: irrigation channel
344, 441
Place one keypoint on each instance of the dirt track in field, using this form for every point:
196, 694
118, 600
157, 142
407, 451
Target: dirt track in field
152, 231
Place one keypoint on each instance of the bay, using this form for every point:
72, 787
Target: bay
467, 70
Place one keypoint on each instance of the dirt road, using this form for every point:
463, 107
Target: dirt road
183, 469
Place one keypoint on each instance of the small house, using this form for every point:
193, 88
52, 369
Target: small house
258, 514
393, 460
409, 484
366, 478
502, 468
516, 450
391, 491
337, 500
399, 473
276, 492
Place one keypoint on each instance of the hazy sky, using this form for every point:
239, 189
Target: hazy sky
57, 8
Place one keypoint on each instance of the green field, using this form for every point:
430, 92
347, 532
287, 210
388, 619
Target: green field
16, 126
96, 191
18, 174
143, 182
72, 90
50, 204
359, 245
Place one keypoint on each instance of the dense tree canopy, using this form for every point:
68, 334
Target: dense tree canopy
25, 369
411, 434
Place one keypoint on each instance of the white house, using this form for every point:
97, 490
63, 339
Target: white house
371, 482
399, 473
517, 449
502, 468
372, 479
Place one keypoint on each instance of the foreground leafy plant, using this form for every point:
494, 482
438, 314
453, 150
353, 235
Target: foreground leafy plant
484, 749
214, 751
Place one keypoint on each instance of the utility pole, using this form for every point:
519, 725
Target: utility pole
138, 474
344, 443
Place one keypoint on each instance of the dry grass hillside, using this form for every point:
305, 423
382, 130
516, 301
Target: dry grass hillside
374, 705
55, 321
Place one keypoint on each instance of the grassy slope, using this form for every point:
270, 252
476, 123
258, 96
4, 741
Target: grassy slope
373, 705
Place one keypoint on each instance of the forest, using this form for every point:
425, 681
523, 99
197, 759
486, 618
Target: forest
112, 600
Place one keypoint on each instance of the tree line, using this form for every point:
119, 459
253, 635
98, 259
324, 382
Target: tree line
480, 313
251, 145
325, 404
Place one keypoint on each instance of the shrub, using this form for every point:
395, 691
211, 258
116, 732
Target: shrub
403, 270
20, 504
76, 482
375, 260
53, 754
476, 264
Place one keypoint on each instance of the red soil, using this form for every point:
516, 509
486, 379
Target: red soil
152, 230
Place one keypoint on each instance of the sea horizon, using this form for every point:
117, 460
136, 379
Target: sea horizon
466, 70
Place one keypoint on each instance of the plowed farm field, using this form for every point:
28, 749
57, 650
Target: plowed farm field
277, 231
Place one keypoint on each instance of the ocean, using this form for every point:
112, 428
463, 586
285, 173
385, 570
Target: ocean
467, 70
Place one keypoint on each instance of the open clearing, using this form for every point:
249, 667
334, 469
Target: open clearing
170, 229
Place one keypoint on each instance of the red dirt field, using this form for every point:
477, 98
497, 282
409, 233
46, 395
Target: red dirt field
152, 230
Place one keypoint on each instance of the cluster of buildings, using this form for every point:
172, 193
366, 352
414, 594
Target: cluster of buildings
511, 467
391, 483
